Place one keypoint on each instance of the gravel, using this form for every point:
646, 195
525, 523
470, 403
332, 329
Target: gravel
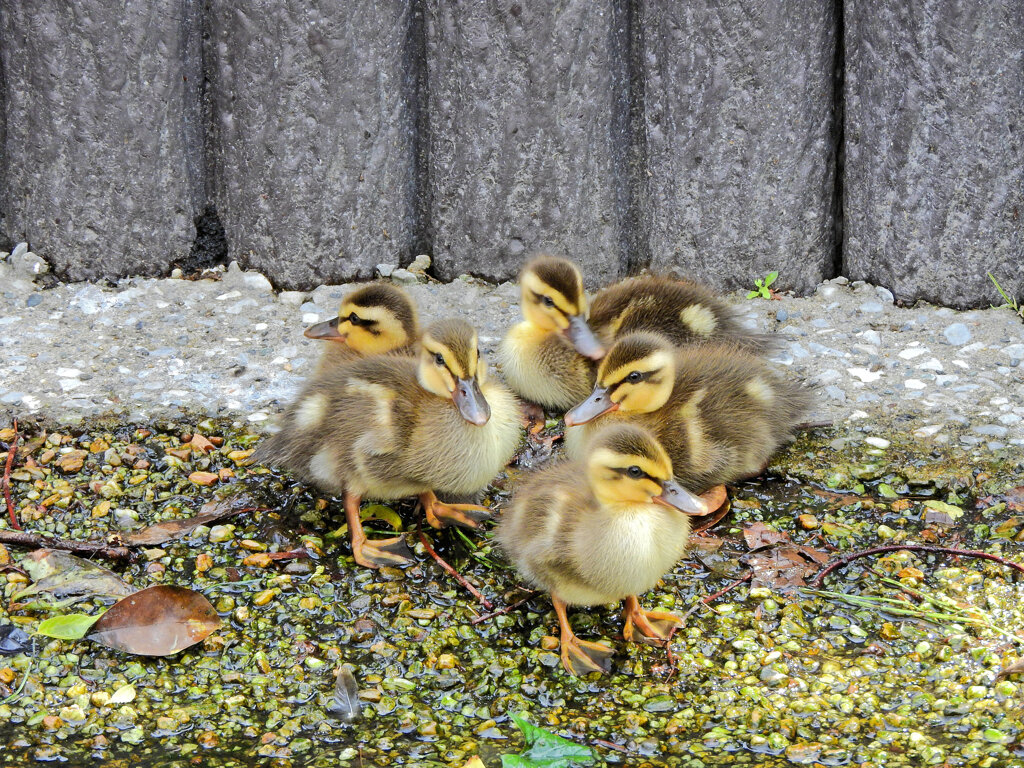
230, 346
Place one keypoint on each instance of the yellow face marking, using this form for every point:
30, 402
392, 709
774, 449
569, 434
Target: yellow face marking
385, 334
699, 319
432, 376
611, 485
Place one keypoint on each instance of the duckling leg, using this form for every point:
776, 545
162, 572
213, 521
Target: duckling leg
579, 656
643, 626
379, 552
441, 515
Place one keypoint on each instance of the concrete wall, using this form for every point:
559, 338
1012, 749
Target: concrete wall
721, 140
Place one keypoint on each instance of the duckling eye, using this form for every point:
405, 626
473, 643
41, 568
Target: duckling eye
634, 378
439, 358
355, 319
635, 472
548, 301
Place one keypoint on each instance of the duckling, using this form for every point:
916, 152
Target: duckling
719, 412
548, 358
372, 320
681, 310
600, 530
390, 426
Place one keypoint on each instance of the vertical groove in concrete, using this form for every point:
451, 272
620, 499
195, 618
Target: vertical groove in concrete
5, 190
415, 92
629, 136
838, 136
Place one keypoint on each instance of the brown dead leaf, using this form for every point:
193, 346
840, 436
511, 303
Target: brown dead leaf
200, 444
170, 530
759, 535
1014, 669
64, 575
784, 567
157, 621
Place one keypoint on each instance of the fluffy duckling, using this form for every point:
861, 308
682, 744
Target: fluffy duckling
390, 426
681, 310
372, 320
548, 358
720, 412
601, 530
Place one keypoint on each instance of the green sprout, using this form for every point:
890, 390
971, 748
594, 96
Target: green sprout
762, 288
1009, 303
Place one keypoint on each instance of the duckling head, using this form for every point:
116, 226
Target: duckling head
552, 299
628, 466
637, 376
450, 366
372, 320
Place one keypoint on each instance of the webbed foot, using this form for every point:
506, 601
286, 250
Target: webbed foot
650, 627
373, 553
441, 515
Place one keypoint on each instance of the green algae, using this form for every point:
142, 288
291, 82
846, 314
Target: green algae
758, 677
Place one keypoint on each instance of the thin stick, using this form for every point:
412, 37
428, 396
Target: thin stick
452, 572
610, 745
36, 540
847, 559
7, 478
506, 609
716, 595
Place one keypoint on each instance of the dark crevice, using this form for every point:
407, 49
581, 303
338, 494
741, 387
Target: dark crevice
415, 95
838, 138
629, 136
210, 247
6, 215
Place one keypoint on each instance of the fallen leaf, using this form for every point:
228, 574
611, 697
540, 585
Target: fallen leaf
1016, 668
63, 575
13, 640
157, 621
71, 626
170, 530
200, 444
475, 762
784, 567
345, 704
546, 750
759, 535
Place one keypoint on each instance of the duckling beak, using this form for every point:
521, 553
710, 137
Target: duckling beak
675, 496
583, 338
598, 403
328, 329
470, 401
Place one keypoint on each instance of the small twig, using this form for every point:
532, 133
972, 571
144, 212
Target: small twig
610, 745
716, 595
506, 609
452, 572
847, 559
291, 554
99, 548
7, 479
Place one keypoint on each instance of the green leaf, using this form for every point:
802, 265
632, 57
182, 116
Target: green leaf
753, 295
72, 626
546, 750
770, 279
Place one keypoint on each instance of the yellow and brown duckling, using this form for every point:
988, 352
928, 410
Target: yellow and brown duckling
720, 412
600, 530
549, 357
683, 311
376, 319
391, 426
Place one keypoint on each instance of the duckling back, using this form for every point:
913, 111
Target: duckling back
683, 311
544, 367
727, 414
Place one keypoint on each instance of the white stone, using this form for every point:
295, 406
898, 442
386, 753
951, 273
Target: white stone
914, 384
858, 415
257, 417
385, 270
310, 317
420, 264
292, 298
67, 384
911, 352
864, 374
878, 442
927, 431
229, 295
931, 365
68, 373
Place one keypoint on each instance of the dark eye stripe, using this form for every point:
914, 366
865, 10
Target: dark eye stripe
625, 471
